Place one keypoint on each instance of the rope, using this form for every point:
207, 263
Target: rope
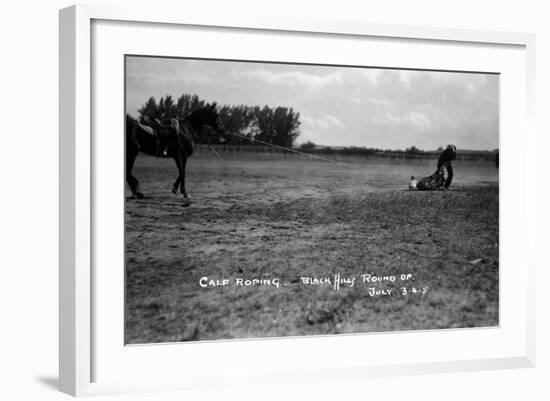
309, 155
216, 153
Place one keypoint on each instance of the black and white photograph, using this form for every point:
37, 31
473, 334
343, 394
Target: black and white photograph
260, 201
271, 199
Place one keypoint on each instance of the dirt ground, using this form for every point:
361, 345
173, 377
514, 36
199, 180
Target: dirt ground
309, 233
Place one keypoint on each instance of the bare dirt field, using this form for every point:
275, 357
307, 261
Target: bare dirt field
317, 229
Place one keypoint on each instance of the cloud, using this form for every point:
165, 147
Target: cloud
418, 120
410, 119
324, 122
372, 75
170, 78
295, 78
371, 101
316, 129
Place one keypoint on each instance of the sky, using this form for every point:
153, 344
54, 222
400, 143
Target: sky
338, 106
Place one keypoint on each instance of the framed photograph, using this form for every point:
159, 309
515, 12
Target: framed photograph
275, 199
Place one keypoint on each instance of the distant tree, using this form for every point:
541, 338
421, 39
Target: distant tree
279, 126
186, 104
238, 120
355, 150
286, 125
413, 149
328, 150
149, 109
308, 146
440, 149
167, 107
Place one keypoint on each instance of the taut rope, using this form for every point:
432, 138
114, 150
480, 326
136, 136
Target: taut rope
309, 155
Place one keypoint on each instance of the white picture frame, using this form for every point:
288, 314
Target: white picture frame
78, 162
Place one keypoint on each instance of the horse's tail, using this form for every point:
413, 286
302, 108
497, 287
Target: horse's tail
132, 143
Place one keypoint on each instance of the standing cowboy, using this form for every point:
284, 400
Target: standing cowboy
444, 162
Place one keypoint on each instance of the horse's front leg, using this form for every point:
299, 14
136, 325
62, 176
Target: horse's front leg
182, 178
176, 184
181, 162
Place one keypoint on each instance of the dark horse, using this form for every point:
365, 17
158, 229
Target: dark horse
178, 138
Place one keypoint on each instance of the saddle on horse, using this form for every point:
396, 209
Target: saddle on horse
178, 131
146, 128
159, 132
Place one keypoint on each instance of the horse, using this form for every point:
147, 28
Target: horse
178, 138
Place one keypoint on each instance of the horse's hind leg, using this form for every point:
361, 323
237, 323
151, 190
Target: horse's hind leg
175, 186
134, 186
130, 179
